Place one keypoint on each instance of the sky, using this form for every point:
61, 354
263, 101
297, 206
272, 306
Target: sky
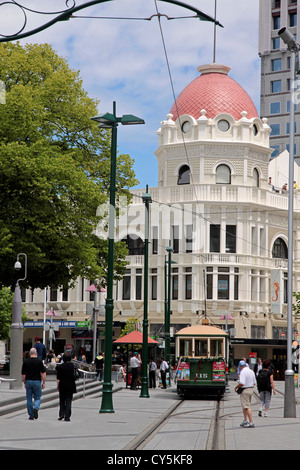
141, 64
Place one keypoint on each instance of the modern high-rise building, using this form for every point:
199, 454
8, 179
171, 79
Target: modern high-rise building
276, 71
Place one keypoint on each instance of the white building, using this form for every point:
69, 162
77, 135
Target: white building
276, 71
226, 224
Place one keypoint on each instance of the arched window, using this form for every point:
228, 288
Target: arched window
256, 177
184, 175
223, 175
134, 244
279, 249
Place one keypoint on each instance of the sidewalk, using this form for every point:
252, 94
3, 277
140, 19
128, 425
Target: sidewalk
274, 432
88, 429
91, 430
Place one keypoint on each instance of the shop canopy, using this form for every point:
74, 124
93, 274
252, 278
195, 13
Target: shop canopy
135, 337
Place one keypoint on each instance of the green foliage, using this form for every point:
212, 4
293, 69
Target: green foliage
296, 305
54, 170
6, 300
129, 327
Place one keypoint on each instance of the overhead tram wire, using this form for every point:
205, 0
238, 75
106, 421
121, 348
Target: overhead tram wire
174, 96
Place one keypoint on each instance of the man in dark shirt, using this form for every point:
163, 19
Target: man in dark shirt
99, 364
41, 349
34, 377
66, 386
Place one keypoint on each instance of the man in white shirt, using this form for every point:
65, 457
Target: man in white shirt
247, 381
152, 374
163, 372
135, 363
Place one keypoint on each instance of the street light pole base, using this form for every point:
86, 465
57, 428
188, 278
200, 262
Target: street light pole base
144, 389
289, 395
107, 403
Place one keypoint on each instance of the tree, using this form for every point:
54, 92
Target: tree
54, 170
6, 301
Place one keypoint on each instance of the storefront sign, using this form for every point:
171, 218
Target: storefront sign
40, 324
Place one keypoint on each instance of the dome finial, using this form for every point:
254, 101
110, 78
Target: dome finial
213, 68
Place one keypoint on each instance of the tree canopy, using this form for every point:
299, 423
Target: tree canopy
54, 170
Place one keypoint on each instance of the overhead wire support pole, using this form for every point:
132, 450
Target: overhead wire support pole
289, 396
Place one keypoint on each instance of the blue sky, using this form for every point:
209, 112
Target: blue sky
123, 60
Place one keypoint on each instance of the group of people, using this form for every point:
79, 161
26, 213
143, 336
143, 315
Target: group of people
262, 377
135, 364
34, 379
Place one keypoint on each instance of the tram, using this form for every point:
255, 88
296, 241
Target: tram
202, 352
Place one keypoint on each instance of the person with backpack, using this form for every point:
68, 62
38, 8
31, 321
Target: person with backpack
265, 385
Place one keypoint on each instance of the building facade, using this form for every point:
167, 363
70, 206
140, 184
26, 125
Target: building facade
224, 219
276, 71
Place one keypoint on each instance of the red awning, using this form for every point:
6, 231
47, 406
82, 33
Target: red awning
135, 337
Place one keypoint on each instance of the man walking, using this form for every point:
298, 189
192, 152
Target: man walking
66, 386
99, 364
247, 381
34, 377
41, 349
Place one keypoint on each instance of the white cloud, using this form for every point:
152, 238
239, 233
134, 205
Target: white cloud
124, 60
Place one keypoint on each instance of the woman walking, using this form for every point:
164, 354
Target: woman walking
265, 385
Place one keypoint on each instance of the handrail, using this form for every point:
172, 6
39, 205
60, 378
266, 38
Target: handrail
85, 372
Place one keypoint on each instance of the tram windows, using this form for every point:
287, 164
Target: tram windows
201, 347
216, 348
186, 347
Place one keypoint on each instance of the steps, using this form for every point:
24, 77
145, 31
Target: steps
50, 397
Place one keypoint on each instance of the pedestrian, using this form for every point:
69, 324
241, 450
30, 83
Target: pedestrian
66, 386
135, 362
122, 371
258, 366
50, 359
246, 384
99, 364
34, 378
239, 369
163, 372
152, 374
265, 385
41, 348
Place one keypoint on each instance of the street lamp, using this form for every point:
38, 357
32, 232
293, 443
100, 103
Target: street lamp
16, 331
289, 395
93, 288
144, 383
168, 303
111, 121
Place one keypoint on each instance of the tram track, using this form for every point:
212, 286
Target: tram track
210, 414
139, 442
207, 417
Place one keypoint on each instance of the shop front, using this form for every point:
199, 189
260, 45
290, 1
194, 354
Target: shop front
252, 349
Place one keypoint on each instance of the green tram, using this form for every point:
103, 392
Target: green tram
202, 352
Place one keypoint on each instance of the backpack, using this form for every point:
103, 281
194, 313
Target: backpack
263, 380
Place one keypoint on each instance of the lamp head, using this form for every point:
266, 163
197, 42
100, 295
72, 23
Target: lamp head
288, 38
18, 265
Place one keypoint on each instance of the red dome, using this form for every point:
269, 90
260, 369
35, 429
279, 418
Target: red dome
215, 92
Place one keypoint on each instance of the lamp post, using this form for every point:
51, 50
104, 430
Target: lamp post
111, 121
289, 395
144, 385
168, 303
16, 331
93, 288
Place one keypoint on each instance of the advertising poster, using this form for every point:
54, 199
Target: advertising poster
183, 371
